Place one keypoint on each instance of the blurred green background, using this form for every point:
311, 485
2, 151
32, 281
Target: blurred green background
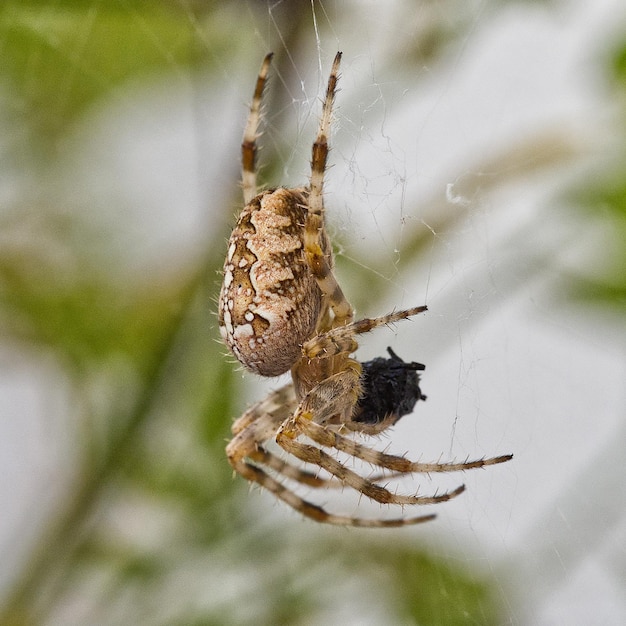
123, 509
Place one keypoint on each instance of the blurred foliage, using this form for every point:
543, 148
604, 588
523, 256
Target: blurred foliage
58, 58
604, 202
154, 525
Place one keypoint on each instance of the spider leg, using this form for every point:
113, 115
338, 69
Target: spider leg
309, 479
314, 455
317, 249
259, 423
401, 465
297, 474
341, 339
267, 416
278, 404
320, 147
317, 513
262, 428
329, 398
248, 144
291, 472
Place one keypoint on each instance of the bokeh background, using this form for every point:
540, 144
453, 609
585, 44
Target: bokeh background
478, 166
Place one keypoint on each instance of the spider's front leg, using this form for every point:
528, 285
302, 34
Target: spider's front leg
341, 339
317, 248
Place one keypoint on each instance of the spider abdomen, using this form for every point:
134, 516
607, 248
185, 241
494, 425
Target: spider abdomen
270, 302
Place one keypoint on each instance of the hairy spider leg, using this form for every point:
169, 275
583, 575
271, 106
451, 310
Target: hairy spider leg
317, 513
278, 405
402, 465
258, 423
250, 135
341, 339
267, 415
321, 404
321, 263
312, 454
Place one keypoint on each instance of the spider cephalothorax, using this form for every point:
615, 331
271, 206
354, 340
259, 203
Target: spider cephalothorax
281, 309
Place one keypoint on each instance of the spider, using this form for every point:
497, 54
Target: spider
281, 309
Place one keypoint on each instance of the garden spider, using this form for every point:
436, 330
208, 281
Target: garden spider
281, 309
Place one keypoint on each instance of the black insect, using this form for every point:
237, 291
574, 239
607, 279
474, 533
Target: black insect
391, 389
